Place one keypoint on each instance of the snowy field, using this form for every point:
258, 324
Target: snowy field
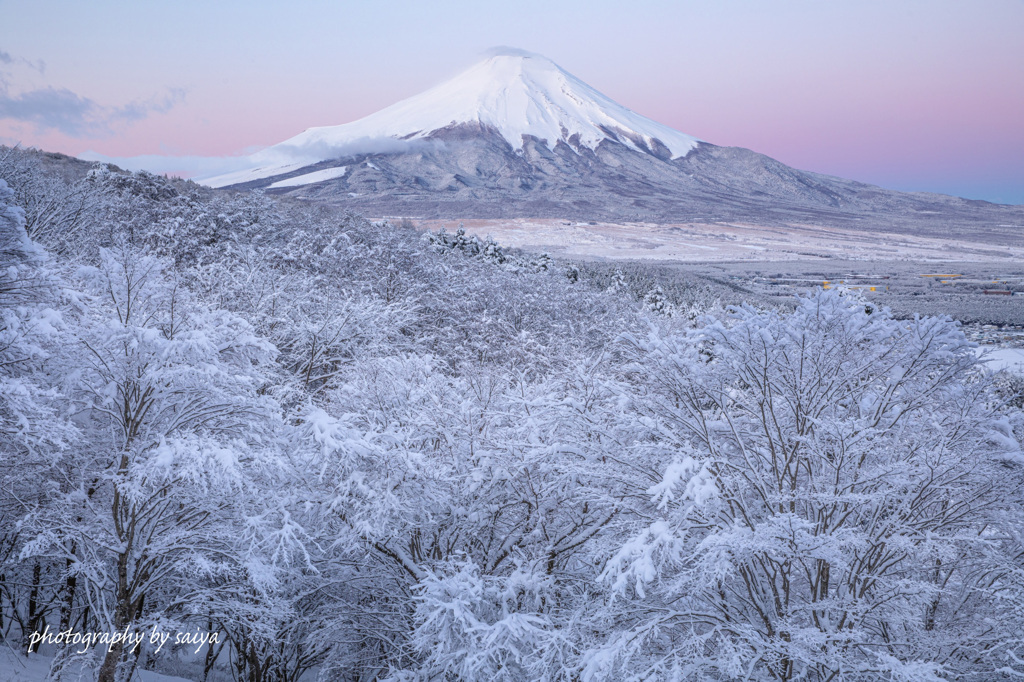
907, 287
315, 176
695, 242
35, 668
1003, 358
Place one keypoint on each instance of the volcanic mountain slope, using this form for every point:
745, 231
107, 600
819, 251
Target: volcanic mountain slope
515, 135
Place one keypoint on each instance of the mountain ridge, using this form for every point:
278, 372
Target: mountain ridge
516, 93
516, 135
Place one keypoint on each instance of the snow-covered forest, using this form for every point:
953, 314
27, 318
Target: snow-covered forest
345, 450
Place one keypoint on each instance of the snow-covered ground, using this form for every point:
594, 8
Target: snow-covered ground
250, 171
717, 242
1003, 358
310, 178
35, 668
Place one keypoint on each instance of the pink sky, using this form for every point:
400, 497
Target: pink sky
920, 95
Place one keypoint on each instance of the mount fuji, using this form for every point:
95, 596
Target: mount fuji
515, 135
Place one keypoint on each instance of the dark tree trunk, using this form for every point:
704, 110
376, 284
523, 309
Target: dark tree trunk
70, 586
34, 616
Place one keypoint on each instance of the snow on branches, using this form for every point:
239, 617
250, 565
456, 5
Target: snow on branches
342, 449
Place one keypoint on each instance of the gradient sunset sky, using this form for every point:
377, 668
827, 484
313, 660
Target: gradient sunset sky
914, 95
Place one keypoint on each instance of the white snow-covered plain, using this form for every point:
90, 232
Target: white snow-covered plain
310, 178
515, 92
717, 242
36, 668
249, 172
1003, 358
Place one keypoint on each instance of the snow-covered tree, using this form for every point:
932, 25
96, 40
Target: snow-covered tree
58, 212
336, 444
618, 282
656, 302
166, 395
35, 429
839, 501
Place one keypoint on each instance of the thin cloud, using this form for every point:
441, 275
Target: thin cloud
206, 167
59, 109
62, 110
136, 111
185, 166
10, 60
52, 109
365, 145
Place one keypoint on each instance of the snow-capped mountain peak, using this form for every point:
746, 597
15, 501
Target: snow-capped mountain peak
514, 92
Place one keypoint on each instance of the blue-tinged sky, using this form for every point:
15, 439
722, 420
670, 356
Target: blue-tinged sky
908, 94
